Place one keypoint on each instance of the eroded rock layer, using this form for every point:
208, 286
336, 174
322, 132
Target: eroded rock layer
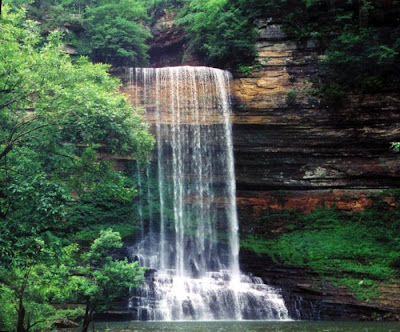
287, 139
293, 151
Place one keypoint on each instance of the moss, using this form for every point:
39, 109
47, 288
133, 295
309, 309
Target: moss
244, 70
291, 97
364, 289
358, 250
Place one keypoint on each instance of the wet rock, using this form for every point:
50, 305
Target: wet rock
308, 297
188, 310
65, 323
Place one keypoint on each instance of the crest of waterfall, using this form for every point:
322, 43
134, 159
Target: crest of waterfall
190, 242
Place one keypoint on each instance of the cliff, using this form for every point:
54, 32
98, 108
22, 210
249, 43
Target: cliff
309, 296
295, 151
286, 139
169, 45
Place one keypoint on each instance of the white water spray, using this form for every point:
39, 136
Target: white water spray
195, 250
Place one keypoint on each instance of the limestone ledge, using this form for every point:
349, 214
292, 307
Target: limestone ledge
285, 138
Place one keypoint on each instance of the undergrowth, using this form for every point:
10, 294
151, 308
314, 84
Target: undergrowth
92, 232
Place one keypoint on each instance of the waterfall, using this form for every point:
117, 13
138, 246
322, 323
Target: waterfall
193, 251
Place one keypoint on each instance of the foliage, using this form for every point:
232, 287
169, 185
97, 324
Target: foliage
30, 286
113, 34
101, 279
353, 33
396, 146
106, 31
361, 36
56, 116
62, 277
106, 199
369, 56
7, 309
219, 31
80, 98
291, 97
246, 70
50, 152
91, 232
362, 246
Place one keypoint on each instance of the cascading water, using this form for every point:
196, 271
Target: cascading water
194, 249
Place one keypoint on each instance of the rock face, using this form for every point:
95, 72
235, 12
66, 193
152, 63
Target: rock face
292, 151
308, 297
169, 45
286, 139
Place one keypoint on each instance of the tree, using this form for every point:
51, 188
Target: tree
114, 35
73, 103
29, 286
92, 277
56, 115
106, 31
100, 279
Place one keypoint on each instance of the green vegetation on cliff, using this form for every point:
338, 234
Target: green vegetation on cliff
360, 39
106, 31
356, 250
112, 33
219, 32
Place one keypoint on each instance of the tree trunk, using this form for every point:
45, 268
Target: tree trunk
7, 149
21, 316
87, 317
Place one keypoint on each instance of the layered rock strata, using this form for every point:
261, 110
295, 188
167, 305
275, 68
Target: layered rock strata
286, 139
293, 151
308, 296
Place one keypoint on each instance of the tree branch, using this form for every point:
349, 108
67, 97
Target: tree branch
6, 150
16, 99
28, 131
39, 321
